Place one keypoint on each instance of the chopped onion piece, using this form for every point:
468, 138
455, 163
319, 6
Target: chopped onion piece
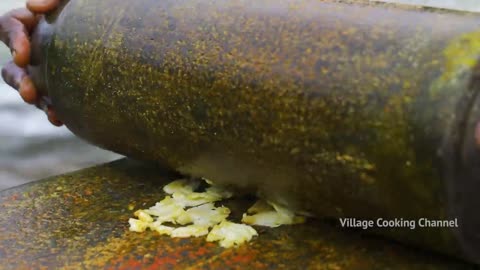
208, 181
282, 211
143, 216
195, 198
161, 229
189, 231
259, 206
181, 186
268, 219
270, 215
231, 234
137, 225
208, 215
167, 210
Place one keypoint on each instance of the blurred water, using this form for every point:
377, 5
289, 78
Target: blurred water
31, 148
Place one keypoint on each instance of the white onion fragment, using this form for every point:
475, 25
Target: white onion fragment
190, 231
270, 215
231, 234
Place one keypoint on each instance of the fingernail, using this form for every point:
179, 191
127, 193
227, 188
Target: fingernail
28, 91
52, 117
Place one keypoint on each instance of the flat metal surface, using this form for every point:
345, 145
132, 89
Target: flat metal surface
79, 221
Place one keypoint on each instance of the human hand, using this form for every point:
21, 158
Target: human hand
16, 27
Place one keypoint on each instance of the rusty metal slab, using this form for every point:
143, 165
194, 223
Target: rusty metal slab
79, 221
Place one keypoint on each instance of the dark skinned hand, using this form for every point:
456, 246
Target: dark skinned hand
15, 29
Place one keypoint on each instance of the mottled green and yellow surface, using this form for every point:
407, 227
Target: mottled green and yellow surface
339, 108
79, 220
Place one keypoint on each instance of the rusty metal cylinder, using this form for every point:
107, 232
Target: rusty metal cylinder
338, 109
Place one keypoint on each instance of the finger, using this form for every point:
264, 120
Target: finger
42, 6
52, 117
19, 44
16, 38
13, 75
17, 78
27, 91
26, 17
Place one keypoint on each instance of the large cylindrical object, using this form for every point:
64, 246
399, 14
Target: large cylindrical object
339, 109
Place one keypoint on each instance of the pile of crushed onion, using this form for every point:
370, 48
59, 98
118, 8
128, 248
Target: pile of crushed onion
187, 213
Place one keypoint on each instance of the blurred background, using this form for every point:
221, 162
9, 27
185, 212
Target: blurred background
31, 148
469, 5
